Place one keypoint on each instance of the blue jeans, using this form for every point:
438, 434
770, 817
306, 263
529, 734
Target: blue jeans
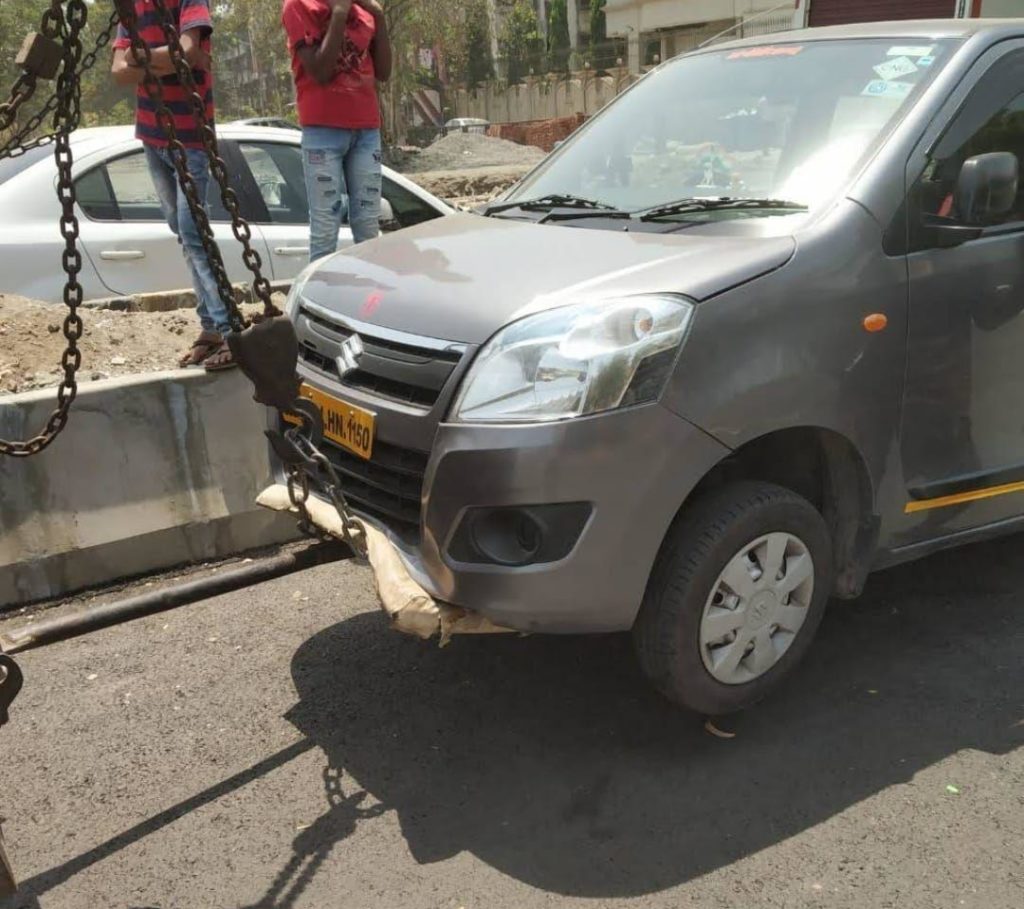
213, 314
342, 168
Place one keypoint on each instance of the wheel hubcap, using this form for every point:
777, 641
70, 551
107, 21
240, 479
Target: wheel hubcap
756, 608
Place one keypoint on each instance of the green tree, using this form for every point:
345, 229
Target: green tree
558, 35
520, 39
479, 60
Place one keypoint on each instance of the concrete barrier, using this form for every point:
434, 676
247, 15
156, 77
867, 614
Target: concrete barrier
152, 472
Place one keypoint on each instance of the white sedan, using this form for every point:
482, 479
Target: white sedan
126, 245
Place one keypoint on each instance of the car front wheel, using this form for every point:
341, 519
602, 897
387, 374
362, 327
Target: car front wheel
735, 597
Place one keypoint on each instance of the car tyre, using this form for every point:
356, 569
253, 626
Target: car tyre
690, 597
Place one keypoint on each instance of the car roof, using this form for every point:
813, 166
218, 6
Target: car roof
103, 136
910, 28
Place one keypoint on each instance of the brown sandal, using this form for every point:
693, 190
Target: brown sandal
206, 344
222, 358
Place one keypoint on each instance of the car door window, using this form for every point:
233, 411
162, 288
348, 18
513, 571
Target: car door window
409, 208
122, 190
277, 169
992, 120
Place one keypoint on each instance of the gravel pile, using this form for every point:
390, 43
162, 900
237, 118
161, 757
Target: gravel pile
460, 151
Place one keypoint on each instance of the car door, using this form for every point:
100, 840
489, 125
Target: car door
962, 441
280, 187
126, 237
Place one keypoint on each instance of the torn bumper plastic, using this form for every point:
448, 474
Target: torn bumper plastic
409, 608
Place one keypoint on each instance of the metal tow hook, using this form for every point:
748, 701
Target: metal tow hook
11, 681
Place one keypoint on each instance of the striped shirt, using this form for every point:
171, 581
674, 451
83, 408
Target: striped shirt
188, 14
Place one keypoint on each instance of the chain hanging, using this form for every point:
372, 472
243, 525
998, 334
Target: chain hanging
68, 24
25, 85
300, 454
19, 142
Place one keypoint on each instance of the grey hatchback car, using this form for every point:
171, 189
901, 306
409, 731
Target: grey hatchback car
751, 333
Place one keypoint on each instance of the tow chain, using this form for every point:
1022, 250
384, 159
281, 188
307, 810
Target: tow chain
266, 349
67, 112
19, 142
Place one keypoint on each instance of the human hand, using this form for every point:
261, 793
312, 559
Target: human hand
341, 7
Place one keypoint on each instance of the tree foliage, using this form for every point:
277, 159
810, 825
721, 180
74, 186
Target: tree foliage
558, 34
520, 41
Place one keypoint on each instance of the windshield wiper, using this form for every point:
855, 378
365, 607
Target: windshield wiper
546, 203
682, 206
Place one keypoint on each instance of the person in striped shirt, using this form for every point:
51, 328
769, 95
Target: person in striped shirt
195, 26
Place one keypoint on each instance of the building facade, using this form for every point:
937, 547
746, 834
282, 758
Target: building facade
656, 30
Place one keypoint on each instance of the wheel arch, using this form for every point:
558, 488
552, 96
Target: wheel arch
828, 470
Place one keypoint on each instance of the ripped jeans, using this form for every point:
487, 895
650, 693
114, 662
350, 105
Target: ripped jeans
213, 314
343, 182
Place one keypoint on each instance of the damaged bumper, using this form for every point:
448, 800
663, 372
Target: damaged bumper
409, 607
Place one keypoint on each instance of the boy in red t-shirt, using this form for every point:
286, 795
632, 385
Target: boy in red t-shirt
340, 50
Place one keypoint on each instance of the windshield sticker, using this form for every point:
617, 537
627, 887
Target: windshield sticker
881, 88
766, 50
893, 69
911, 51
925, 61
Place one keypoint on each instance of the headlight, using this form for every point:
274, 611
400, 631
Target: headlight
575, 360
294, 295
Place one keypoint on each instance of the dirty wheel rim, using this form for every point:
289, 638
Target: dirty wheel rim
756, 608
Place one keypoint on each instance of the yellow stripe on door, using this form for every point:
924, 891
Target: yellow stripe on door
960, 498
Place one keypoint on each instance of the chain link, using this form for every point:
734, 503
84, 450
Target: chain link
352, 530
19, 142
67, 111
52, 25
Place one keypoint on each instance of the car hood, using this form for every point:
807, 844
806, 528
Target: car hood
463, 277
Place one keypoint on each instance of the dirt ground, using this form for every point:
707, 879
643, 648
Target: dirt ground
114, 343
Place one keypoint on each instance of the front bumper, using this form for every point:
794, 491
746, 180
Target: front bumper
634, 467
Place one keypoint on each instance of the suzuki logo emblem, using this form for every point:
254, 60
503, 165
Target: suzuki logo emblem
348, 360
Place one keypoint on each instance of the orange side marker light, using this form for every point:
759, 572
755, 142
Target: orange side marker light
876, 322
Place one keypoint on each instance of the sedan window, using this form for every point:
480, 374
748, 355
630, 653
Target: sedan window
123, 190
277, 169
409, 208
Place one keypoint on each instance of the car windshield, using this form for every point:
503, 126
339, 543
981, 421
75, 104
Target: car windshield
784, 122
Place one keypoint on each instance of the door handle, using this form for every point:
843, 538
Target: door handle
291, 250
122, 255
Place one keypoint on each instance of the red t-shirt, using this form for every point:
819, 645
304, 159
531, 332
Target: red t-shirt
349, 101
187, 14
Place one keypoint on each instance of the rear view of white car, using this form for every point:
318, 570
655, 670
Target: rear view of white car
128, 247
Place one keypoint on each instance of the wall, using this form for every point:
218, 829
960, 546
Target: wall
540, 133
151, 472
542, 98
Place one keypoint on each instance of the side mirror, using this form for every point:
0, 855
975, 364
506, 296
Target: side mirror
986, 189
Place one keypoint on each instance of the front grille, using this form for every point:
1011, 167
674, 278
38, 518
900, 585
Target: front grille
396, 370
388, 487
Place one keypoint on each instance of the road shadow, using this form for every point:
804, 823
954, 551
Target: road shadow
551, 759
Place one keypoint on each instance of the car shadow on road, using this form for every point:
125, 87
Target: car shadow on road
550, 759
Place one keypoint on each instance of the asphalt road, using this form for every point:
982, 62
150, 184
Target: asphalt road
280, 748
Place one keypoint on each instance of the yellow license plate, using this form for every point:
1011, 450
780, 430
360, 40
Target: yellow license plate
350, 427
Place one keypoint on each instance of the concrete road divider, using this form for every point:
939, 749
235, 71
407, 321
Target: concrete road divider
152, 471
